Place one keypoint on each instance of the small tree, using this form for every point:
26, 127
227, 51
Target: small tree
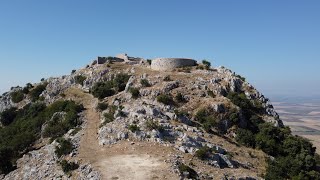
102, 106
206, 63
80, 79
180, 98
134, 92
17, 96
165, 99
68, 166
133, 128
65, 147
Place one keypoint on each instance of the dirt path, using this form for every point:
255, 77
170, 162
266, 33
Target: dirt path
125, 160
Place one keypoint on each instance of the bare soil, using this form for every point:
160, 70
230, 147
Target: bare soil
125, 160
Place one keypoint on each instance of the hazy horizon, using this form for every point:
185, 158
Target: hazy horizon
277, 49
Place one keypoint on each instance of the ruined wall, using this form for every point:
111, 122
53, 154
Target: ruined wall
102, 60
163, 64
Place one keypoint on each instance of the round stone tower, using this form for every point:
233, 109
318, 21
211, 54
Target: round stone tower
167, 64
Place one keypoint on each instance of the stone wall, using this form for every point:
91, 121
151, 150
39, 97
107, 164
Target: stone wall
102, 60
163, 64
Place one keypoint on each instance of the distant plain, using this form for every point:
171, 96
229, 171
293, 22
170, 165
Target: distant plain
302, 115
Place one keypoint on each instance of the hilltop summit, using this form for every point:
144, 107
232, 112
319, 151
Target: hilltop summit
129, 118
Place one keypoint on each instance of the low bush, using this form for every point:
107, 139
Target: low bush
206, 119
58, 126
240, 77
149, 61
102, 106
165, 99
109, 116
65, 147
27, 88
145, 83
17, 96
68, 166
206, 64
245, 137
154, 125
192, 174
120, 82
8, 116
134, 92
109, 88
102, 89
180, 98
133, 128
79, 79
203, 153
35, 92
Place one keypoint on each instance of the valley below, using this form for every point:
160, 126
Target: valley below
302, 115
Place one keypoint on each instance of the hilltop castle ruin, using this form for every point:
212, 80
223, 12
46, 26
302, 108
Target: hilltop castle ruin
159, 64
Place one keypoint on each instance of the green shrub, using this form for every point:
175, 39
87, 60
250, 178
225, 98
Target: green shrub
109, 88
17, 96
181, 113
206, 63
180, 98
167, 78
25, 129
134, 92
192, 174
133, 128
109, 116
58, 126
8, 116
145, 83
68, 166
102, 106
154, 125
65, 147
203, 153
245, 137
27, 88
120, 81
80, 79
240, 77
6, 155
103, 89
35, 93
165, 99
149, 61
207, 120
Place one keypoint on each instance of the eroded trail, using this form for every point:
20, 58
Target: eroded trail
142, 160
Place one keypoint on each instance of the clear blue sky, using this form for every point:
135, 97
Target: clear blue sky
275, 44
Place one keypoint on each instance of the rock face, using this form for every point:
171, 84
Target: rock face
5, 102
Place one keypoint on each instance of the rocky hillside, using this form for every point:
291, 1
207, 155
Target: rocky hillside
126, 121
